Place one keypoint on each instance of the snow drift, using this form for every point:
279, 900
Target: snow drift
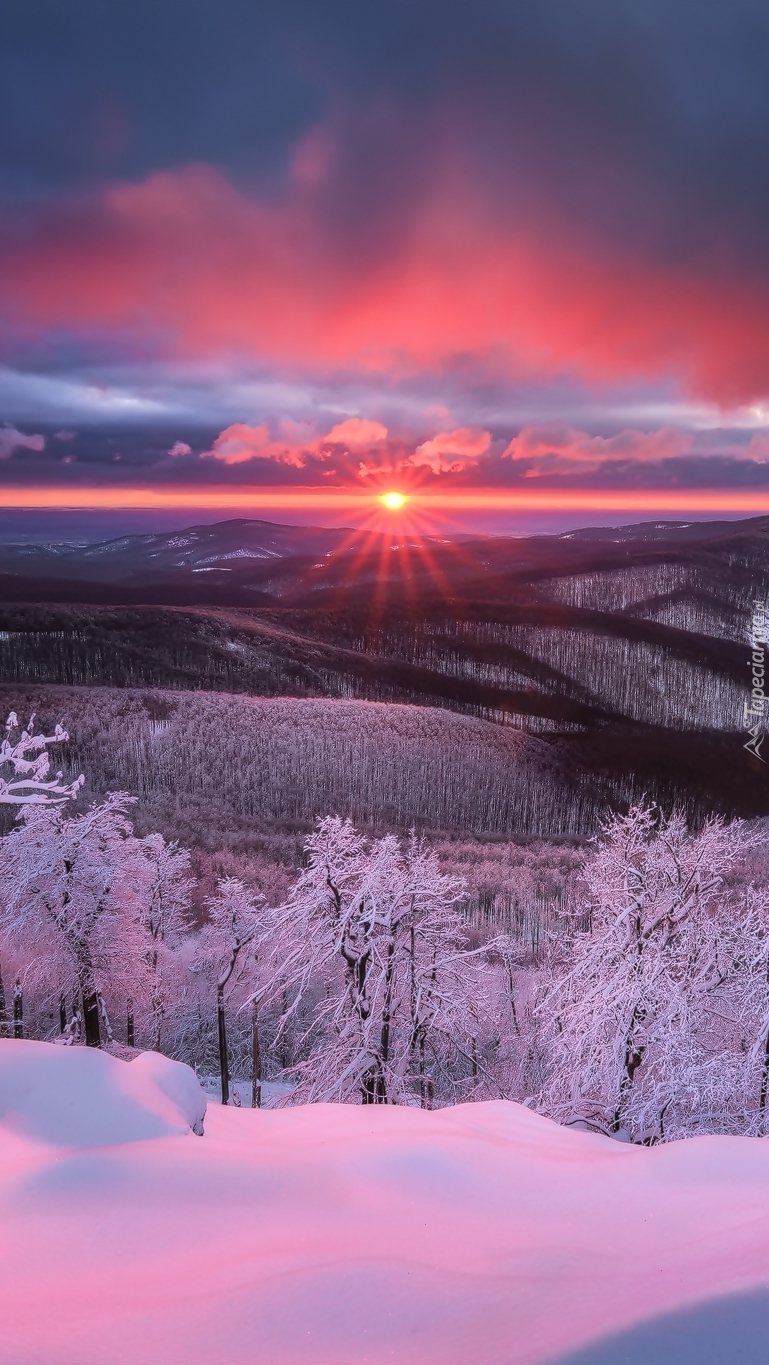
78, 1097
341, 1235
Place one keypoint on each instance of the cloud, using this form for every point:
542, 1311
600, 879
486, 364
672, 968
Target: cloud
180, 448
239, 443
757, 449
555, 447
452, 451
185, 263
11, 439
294, 444
356, 433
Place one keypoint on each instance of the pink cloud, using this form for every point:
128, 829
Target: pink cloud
356, 433
11, 439
555, 447
180, 448
452, 451
757, 449
294, 444
239, 443
188, 256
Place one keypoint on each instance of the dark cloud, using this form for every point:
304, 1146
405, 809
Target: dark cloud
587, 97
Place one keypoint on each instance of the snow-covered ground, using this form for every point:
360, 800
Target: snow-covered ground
480, 1235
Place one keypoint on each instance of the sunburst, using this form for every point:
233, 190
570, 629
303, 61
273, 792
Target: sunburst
393, 500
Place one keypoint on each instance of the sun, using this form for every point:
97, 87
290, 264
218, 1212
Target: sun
393, 500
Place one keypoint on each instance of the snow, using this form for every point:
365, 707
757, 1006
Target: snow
342, 1235
79, 1097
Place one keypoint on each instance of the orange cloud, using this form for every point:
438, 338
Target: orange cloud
452, 451
553, 446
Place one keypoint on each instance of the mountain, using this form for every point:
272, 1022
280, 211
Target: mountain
625, 648
224, 547
231, 561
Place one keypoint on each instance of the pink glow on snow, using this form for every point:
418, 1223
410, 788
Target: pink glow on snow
337, 1235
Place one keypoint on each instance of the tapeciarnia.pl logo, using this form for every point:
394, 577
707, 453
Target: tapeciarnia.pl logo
755, 708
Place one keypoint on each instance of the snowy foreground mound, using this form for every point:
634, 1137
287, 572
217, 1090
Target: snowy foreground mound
481, 1235
77, 1097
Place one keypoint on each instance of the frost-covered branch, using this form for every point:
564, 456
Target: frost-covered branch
25, 767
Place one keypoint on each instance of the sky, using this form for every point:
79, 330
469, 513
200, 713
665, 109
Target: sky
509, 259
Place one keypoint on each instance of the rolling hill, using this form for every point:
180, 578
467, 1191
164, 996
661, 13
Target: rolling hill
625, 648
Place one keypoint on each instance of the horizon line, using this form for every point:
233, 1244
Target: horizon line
161, 498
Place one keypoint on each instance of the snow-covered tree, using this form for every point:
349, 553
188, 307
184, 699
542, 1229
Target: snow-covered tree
25, 780
168, 890
634, 1018
72, 892
227, 949
744, 1075
25, 767
373, 963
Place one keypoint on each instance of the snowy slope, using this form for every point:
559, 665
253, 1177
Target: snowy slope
481, 1235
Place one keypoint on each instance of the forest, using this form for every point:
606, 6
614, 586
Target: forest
494, 840
623, 652
617, 984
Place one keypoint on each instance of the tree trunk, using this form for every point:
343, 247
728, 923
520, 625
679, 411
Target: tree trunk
764, 1077
256, 1060
380, 1089
129, 1024
103, 1015
513, 1010
224, 1067
4, 1030
373, 1089
426, 1086
157, 1002
284, 1056
18, 1010
633, 1058
158, 1015
88, 991
91, 1018
62, 1014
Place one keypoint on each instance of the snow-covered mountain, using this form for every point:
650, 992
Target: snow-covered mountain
193, 549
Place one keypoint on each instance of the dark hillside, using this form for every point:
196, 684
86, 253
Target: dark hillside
627, 649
